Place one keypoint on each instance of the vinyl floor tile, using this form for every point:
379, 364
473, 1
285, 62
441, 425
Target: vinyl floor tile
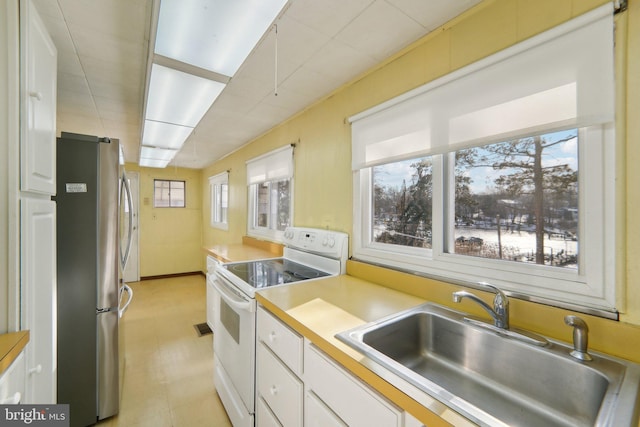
168, 377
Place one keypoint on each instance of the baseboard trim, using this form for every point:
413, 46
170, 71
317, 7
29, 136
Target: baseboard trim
169, 276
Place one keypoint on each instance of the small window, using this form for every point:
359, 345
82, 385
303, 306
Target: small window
168, 194
219, 191
270, 181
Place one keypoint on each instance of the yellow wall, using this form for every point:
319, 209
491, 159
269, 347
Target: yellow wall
323, 179
170, 238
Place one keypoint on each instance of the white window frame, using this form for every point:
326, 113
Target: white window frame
216, 184
592, 285
274, 166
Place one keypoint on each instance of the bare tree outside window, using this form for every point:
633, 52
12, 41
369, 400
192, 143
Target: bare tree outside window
518, 200
515, 200
402, 205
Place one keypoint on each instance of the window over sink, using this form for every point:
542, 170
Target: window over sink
502, 171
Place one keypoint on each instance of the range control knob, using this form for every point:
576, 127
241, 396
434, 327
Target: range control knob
332, 242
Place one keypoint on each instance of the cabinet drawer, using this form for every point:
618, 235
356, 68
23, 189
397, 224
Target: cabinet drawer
284, 342
279, 388
353, 401
264, 416
12, 382
317, 414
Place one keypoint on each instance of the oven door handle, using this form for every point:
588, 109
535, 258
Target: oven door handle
233, 300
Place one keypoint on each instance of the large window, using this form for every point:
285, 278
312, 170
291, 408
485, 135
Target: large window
500, 172
270, 180
219, 193
168, 194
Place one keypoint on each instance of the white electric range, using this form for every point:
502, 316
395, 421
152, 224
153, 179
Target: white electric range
309, 254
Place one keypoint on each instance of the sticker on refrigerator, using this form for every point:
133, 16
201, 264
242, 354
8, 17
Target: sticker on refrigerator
76, 187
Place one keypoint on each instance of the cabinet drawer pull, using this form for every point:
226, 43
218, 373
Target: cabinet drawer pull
272, 336
36, 95
36, 370
273, 390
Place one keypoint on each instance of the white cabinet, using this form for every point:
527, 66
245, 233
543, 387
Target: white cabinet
264, 415
38, 111
280, 389
355, 403
38, 271
298, 385
317, 414
12, 382
278, 365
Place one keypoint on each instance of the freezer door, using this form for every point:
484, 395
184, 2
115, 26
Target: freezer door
108, 382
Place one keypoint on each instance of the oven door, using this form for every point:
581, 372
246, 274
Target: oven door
234, 348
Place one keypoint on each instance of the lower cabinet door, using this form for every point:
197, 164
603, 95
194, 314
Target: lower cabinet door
264, 416
317, 414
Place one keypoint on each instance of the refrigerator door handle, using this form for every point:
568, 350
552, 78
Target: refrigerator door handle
129, 291
125, 185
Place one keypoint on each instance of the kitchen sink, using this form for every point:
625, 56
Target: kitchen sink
494, 378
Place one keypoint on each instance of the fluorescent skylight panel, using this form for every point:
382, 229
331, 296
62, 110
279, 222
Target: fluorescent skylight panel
157, 153
164, 135
179, 98
153, 163
217, 35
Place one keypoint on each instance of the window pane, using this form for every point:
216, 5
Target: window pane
168, 193
518, 200
177, 194
282, 203
224, 202
262, 219
161, 194
402, 203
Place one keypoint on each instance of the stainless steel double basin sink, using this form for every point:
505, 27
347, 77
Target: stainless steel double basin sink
496, 379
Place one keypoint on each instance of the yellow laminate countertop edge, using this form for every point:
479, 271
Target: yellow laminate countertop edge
383, 387
11, 345
238, 252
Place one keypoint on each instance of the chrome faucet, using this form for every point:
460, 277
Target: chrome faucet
580, 338
500, 310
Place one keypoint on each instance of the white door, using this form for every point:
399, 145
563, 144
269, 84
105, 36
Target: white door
38, 142
132, 270
38, 270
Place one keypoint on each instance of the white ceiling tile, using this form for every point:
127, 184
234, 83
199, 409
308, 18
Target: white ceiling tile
432, 14
68, 62
73, 83
381, 30
298, 42
102, 62
124, 19
340, 61
110, 48
327, 16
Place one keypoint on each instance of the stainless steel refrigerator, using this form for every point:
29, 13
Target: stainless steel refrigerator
91, 257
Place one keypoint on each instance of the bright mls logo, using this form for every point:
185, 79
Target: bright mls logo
34, 415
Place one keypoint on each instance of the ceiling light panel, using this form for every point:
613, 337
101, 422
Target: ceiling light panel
157, 153
153, 163
213, 34
179, 98
164, 135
